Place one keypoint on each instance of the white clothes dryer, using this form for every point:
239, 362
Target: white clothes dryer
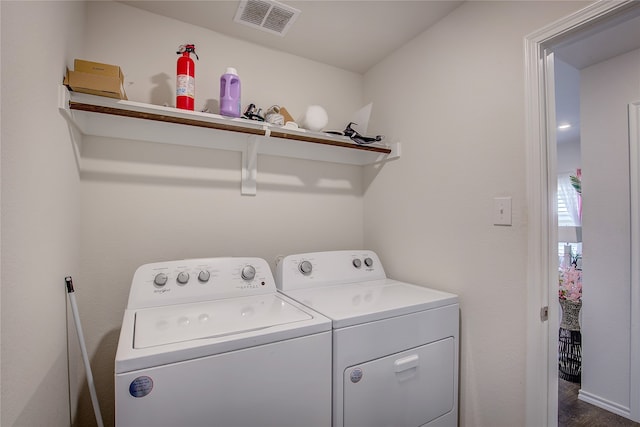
395, 345
211, 342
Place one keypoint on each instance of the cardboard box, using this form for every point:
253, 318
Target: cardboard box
97, 68
96, 78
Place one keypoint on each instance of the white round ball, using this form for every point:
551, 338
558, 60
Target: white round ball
315, 118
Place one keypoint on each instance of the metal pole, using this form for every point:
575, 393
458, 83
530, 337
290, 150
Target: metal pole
83, 349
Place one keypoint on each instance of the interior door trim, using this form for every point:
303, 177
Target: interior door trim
541, 407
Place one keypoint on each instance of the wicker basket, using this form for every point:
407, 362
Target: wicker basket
570, 342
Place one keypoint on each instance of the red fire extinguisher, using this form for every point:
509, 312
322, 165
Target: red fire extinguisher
185, 81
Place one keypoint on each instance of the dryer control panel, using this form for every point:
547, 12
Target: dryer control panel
203, 279
328, 268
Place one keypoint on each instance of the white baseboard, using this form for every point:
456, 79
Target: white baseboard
605, 404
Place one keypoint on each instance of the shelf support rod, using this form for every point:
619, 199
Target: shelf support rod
250, 167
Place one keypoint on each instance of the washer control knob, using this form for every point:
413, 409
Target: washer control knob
357, 263
248, 272
305, 267
368, 262
204, 275
183, 277
160, 279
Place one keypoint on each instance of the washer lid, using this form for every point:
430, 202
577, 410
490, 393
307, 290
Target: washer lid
211, 319
356, 303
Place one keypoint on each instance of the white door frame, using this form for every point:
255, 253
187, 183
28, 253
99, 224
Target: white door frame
541, 375
634, 172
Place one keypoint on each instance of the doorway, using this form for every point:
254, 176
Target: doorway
542, 336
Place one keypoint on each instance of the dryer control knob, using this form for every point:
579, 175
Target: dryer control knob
183, 277
204, 275
357, 263
305, 267
248, 272
368, 262
160, 279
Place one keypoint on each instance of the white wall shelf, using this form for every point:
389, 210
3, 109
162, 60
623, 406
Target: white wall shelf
107, 117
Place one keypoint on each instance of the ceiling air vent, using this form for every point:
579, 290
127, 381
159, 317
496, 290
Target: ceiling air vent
266, 15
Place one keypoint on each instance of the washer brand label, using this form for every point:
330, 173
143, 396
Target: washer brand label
356, 375
141, 386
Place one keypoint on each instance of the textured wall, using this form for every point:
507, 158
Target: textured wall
40, 215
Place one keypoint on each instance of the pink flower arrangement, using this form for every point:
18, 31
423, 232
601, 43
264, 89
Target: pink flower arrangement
570, 284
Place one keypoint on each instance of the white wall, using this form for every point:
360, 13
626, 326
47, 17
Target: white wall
144, 202
606, 89
40, 212
569, 157
454, 96
567, 83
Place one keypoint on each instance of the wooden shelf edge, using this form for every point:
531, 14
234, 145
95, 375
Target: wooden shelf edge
327, 141
73, 101
162, 118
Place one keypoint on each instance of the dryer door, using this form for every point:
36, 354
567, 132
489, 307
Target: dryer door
408, 389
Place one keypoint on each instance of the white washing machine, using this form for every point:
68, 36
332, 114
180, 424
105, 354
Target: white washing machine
395, 345
211, 342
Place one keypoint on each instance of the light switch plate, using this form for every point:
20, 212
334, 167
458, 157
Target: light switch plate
502, 211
